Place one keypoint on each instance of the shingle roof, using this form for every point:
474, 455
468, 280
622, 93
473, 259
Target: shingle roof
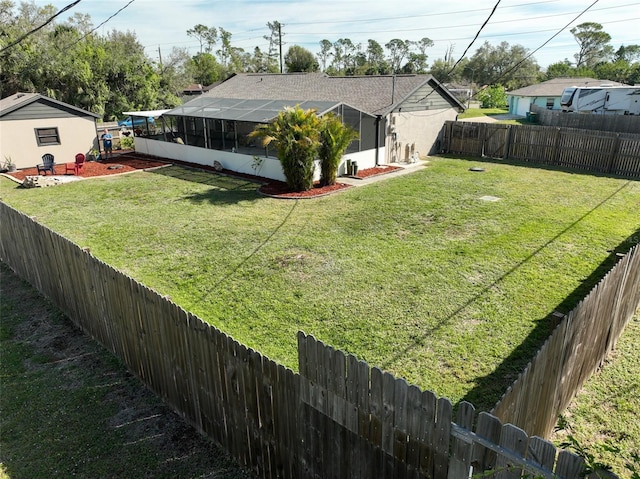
555, 86
371, 94
15, 101
18, 100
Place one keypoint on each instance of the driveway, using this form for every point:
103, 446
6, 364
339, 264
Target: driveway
492, 118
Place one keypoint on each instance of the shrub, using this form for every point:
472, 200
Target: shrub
493, 96
296, 135
335, 137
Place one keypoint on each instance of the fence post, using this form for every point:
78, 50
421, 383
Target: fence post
507, 144
613, 153
555, 154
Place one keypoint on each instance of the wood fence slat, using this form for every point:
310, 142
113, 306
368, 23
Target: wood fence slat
460, 462
515, 440
363, 374
488, 427
569, 465
541, 452
414, 422
400, 428
377, 417
442, 435
428, 434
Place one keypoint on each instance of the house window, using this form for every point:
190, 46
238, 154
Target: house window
47, 136
550, 103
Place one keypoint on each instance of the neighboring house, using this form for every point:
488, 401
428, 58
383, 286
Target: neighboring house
32, 125
398, 118
547, 94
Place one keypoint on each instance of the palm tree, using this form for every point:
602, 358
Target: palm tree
335, 137
296, 134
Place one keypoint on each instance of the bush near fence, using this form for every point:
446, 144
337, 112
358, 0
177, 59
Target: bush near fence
586, 150
587, 121
337, 417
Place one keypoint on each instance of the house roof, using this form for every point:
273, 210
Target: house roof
20, 100
375, 95
556, 86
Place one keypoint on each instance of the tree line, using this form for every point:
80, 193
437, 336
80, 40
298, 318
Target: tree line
111, 73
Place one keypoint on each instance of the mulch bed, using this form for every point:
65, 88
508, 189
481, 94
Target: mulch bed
129, 161
279, 189
132, 161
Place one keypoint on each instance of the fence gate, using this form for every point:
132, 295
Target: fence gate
495, 140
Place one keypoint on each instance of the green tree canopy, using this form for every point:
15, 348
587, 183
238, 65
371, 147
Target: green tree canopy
497, 63
593, 42
299, 59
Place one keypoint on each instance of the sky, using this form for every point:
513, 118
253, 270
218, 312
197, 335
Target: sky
160, 25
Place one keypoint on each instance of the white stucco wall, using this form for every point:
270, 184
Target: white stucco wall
519, 105
269, 168
18, 140
416, 131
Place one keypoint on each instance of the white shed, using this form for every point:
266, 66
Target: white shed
32, 125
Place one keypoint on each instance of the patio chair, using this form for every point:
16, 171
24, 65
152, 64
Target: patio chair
47, 164
75, 167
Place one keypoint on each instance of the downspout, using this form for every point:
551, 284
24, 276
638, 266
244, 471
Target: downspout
393, 89
378, 118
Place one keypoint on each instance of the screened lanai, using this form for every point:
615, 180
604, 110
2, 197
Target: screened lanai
225, 123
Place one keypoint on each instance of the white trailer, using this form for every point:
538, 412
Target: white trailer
605, 100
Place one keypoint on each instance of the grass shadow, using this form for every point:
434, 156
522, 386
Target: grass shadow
225, 189
490, 388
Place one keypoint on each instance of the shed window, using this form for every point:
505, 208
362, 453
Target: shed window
550, 103
47, 136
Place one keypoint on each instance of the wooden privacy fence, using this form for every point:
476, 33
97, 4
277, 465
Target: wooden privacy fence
597, 151
575, 349
338, 417
614, 123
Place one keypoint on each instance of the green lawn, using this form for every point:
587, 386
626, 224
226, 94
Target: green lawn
603, 418
414, 274
478, 112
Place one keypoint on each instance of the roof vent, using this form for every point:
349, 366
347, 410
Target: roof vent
20, 95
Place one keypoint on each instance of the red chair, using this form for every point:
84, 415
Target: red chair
75, 167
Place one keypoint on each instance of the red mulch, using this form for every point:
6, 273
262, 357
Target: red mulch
131, 161
280, 189
377, 170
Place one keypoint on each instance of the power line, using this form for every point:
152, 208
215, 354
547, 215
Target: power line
387, 19
16, 42
474, 38
443, 27
93, 30
509, 70
466, 49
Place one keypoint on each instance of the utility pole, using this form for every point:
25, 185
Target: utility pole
280, 43
160, 55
